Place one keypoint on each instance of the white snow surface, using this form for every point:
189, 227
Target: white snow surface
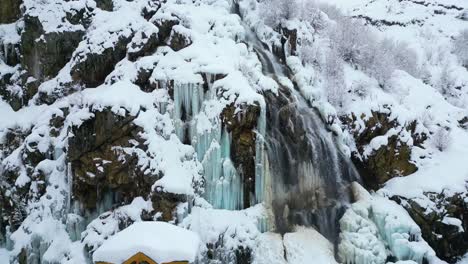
374, 225
306, 245
4, 256
303, 246
235, 228
161, 241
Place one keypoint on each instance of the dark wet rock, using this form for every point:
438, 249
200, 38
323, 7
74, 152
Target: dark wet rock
92, 69
144, 82
243, 255
32, 155
45, 54
107, 5
241, 122
287, 45
179, 39
165, 203
20, 185
57, 122
9, 11
10, 94
15, 197
10, 53
18, 90
390, 160
151, 8
146, 46
449, 241
165, 27
218, 253
388, 23
12, 205
62, 90
289, 41
101, 166
12, 140
463, 15
209, 79
82, 16
463, 122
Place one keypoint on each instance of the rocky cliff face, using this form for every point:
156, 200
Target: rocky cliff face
119, 111
443, 225
125, 154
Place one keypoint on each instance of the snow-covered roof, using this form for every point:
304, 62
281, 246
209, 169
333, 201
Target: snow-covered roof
160, 241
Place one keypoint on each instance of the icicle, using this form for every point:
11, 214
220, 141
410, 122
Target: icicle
188, 99
223, 185
70, 187
5, 52
260, 157
105, 202
75, 225
8, 242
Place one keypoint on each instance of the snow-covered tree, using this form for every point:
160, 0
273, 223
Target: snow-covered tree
350, 38
308, 10
381, 58
376, 60
406, 58
274, 12
441, 139
307, 54
445, 80
461, 47
330, 10
334, 79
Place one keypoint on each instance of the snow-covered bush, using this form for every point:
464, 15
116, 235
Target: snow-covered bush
330, 10
309, 11
274, 11
361, 88
312, 54
350, 38
376, 60
445, 82
405, 58
381, 58
441, 139
461, 47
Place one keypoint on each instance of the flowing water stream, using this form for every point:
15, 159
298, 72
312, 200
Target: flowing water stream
310, 178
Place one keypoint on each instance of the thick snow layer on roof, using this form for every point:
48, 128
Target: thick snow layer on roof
160, 241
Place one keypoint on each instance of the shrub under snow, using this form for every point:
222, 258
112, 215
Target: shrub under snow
441, 139
461, 47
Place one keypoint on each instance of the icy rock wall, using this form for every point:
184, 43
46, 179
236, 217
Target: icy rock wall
209, 135
375, 229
